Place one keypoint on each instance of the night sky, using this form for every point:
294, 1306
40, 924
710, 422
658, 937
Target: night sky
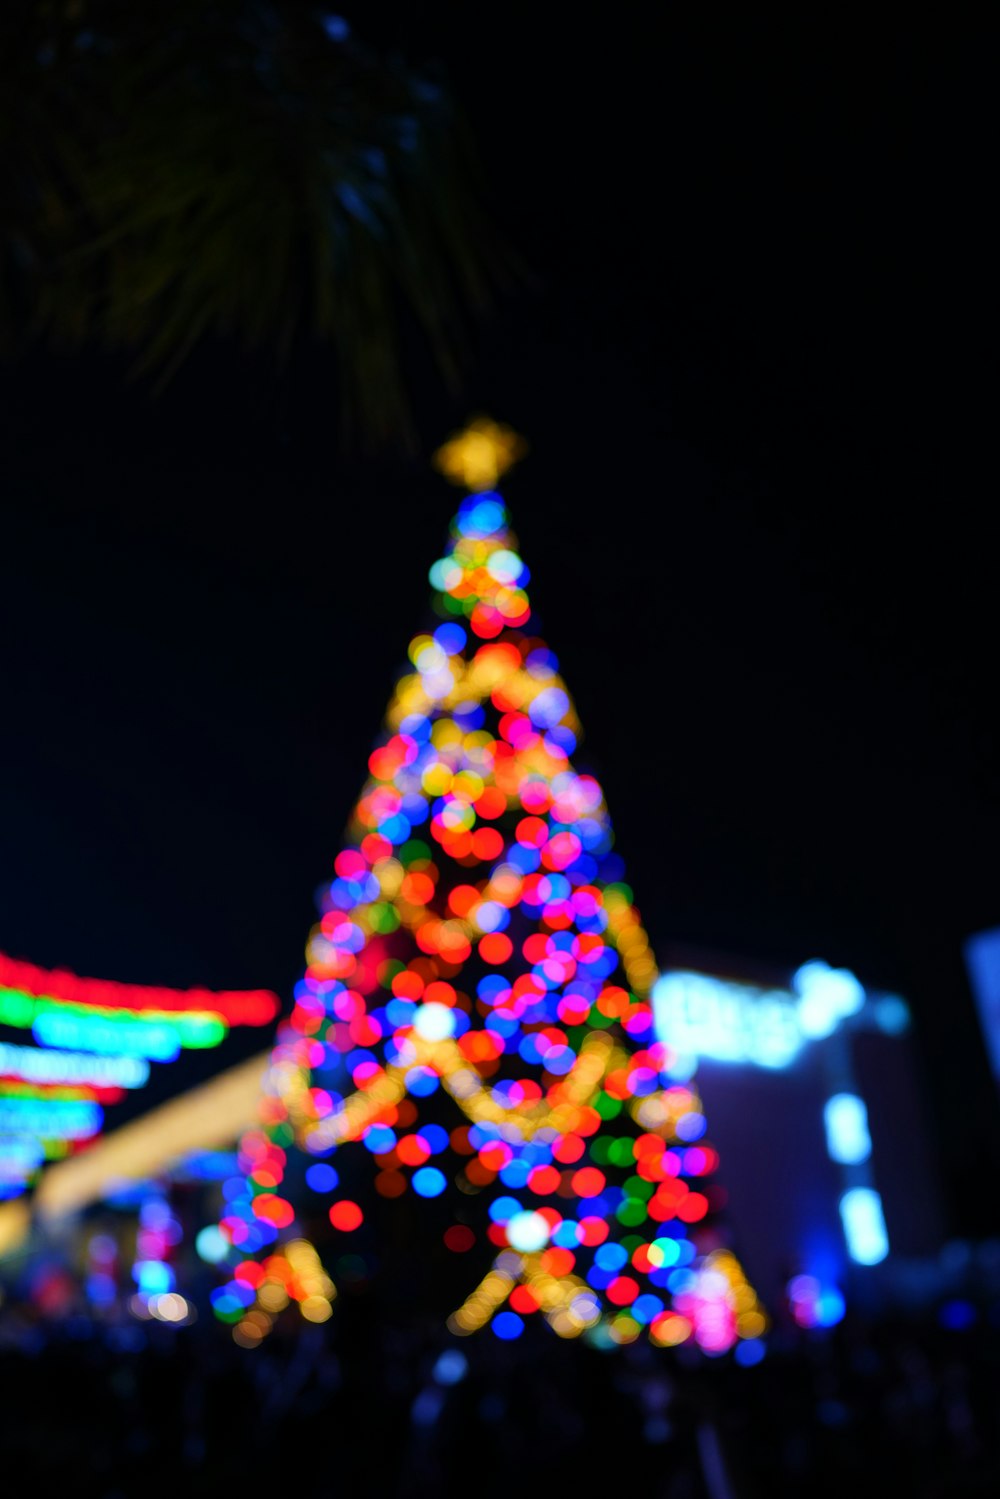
747, 350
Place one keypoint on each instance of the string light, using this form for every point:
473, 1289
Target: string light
94, 1038
479, 960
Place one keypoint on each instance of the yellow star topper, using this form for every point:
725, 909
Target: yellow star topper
476, 457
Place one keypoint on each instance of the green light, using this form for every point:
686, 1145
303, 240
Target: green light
195, 1029
608, 1107
631, 1211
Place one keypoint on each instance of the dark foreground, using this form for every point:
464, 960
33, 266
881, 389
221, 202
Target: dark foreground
144, 1409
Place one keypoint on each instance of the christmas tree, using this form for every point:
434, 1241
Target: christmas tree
474, 1020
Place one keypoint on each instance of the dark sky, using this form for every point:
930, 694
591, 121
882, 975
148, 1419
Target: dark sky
750, 358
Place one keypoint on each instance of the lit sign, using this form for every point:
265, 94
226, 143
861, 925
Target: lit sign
20, 1155
54, 1119
864, 1225
847, 1139
134, 1039
700, 1016
697, 1015
37, 1066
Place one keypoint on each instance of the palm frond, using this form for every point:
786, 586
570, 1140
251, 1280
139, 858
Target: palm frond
242, 170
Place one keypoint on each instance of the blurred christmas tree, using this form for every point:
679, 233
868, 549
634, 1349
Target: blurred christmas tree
475, 1016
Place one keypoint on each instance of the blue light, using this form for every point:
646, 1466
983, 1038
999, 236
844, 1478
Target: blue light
507, 1326
829, 1307
492, 988
682, 1281
691, 1126
242, 1292
321, 1177
542, 662
611, 1256
225, 1303
400, 1011
548, 708
421, 1082
846, 1121
503, 1209
101, 1288
452, 1366
206, 1165
138, 1038
956, 1316
212, 1245
562, 738
524, 858
435, 1138
451, 638
864, 1225
378, 1138
396, 828
481, 515
749, 1353
645, 1308
892, 1015
515, 1173
153, 1277
469, 715
428, 1182
491, 916
600, 1279
51, 1118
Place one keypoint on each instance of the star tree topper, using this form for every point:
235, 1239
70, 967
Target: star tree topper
478, 456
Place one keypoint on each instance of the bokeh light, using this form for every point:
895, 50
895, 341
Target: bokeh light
476, 1009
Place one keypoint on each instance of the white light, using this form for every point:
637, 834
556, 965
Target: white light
212, 1245
434, 1022
847, 1137
697, 1015
864, 1225
437, 684
431, 658
527, 1232
35, 1065
169, 1307
827, 996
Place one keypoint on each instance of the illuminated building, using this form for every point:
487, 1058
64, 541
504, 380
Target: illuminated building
810, 1081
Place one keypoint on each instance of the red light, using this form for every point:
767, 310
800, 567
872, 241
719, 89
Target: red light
622, 1291
543, 1180
238, 1007
346, 1216
412, 1150
588, 1181
592, 1231
495, 948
